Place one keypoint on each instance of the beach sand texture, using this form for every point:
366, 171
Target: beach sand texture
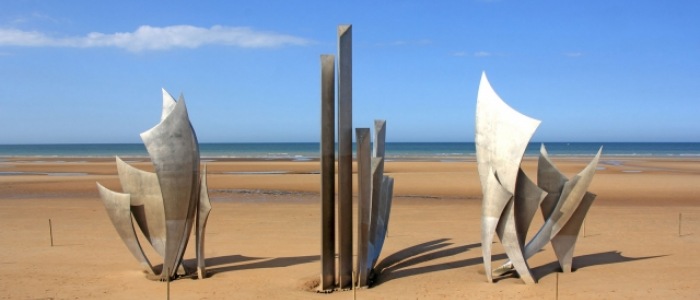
263, 235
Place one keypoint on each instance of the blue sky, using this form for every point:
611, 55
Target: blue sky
600, 70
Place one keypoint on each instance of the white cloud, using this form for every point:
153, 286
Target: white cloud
482, 54
147, 38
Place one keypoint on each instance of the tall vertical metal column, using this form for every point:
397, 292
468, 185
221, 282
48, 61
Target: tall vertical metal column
345, 156
327, 173
364, 197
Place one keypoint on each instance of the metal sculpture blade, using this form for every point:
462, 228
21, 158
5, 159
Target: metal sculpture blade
374, 201
382, 218
494, 118
364, 205
549, 179
491, 212
565, 241
118, 209
146, 202
499, 157
511, 199
528, 197
571, 196
510, 240
174, 152
165, 204
168, 104
203, 209
345, 156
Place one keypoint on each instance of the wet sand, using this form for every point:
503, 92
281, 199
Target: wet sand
263, 235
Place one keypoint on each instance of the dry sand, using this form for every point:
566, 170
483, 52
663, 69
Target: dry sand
263, 235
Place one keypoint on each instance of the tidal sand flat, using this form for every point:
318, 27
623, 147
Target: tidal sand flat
642, 233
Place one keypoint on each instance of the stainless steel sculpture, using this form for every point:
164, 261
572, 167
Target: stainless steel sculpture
165, 204
374, 201
374, 189
511, 199
345, 156
327, 281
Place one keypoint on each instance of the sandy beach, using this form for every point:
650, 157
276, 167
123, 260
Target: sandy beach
641, 238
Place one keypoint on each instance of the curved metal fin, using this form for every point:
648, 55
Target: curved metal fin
382, 218
550, 179
146, 203
203, 209
508, 233
571, 196
502, 134
118, 209
573, 193
565, 241
168, 104
174, 151
528, 197
491, 212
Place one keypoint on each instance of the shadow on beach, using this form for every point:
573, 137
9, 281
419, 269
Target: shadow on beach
222, 264
398, 265
588, 260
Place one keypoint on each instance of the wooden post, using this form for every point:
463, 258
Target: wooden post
557, 288
680, 219
51, 232
168, 283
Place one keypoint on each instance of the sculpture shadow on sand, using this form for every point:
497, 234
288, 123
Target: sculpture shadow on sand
399, 265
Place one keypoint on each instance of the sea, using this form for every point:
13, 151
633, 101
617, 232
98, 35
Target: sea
395, 151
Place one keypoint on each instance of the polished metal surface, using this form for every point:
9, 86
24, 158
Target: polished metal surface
511, 198
327, 281
382, 218
565, 241
510, 241
377, 179
364, 205
203, 209
168, 104
501, 136
374, 189
119, 211
549, 179
146, 202
528, 197
174, 151
345, 156
378, 207
571, 196
165, 204
491, 212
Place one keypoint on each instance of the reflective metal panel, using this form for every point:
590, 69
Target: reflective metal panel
118, 209
174, 151
146, 202
203, 209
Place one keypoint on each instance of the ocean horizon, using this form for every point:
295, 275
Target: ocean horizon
305, 151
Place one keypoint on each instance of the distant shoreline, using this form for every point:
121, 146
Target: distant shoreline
423, 151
